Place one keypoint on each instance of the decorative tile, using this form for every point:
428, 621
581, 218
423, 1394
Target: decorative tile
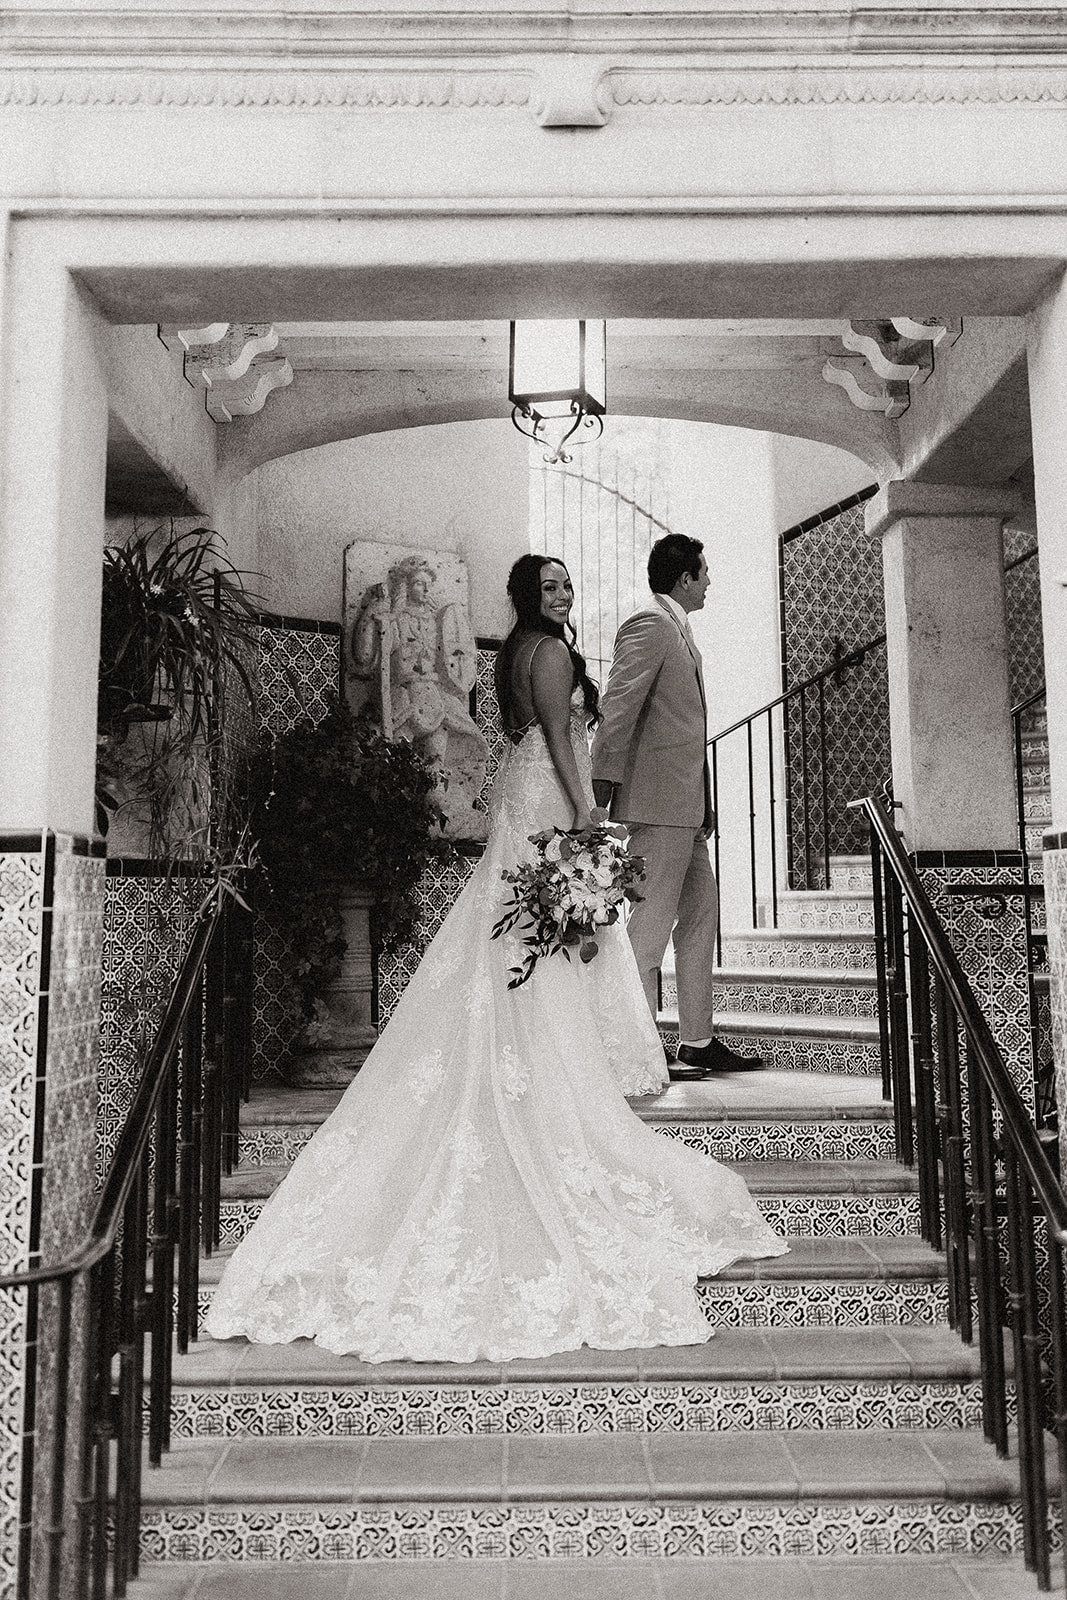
22, 882
779, 950
988, 934
831, 578
781, 998
435, 1411
782, 1140
1056, 911
816, 1303
783, 1052
572, 1530
1022, 606
823, 1303
800, 1216
146, 923
817, 910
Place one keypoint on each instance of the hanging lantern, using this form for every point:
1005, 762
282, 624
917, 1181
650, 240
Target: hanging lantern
558, 383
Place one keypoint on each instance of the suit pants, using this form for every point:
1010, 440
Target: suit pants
681, 897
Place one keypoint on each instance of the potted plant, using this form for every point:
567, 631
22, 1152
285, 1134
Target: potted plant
344, 823
175, 642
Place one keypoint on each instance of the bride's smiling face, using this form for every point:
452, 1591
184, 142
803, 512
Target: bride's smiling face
557, 592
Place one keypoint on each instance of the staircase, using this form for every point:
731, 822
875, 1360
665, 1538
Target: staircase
1037, 816
825, 1445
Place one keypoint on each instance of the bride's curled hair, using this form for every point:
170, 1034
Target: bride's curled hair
524, 591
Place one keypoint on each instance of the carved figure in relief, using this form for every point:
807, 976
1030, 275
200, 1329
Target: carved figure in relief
419, 659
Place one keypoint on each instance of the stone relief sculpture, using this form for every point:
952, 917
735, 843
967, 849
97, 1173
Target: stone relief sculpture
411, 654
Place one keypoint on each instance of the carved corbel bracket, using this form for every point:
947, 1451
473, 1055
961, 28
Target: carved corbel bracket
226, 361
244, 396
896, 353
889, 396
231, 356
184, 339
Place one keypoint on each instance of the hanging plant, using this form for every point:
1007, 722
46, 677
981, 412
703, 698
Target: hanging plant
175, 642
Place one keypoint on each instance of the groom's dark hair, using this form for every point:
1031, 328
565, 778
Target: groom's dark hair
669, 558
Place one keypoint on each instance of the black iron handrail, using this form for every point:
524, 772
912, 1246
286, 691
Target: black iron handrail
983, 1169
158, 1207
796, 696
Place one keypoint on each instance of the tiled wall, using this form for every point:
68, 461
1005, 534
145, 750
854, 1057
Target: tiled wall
51, 924
1022, 602
1055, 861
831, 577
978, 896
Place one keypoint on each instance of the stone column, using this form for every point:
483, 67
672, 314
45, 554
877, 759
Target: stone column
953, 768
53, 407
953, 755
1047, 366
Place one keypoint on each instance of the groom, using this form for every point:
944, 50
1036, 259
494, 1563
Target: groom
650, 770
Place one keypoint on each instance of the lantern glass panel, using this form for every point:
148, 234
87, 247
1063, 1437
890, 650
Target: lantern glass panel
546, 363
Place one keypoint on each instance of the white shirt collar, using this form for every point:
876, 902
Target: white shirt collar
680, 614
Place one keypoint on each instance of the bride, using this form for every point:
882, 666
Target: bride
483, 1190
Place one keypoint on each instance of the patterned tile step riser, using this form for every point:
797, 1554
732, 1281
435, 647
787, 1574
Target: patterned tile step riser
425, 1411
850, 877
743, 1141
846, 1216
812, 1304
849, 916
569, 1530
760, 998
759, 950
851, 1057
1036, 807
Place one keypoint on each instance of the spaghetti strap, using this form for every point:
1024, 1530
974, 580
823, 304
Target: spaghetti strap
516, 735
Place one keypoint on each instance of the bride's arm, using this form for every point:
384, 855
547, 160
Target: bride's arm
551, 683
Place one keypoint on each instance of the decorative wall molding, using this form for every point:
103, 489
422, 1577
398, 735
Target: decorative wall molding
558, 91
294, 90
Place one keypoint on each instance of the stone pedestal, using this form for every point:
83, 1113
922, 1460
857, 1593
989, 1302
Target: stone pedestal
336, 1042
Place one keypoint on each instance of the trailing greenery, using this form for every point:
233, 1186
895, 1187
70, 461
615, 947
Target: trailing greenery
175, 655
335, 802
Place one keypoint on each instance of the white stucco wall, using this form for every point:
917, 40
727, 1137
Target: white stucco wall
809, 477
459, 487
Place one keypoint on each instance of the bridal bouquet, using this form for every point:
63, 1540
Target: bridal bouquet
576, 884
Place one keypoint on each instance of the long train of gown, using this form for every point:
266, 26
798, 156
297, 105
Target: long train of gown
483, 1190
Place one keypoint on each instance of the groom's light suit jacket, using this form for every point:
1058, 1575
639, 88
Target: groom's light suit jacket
652, 740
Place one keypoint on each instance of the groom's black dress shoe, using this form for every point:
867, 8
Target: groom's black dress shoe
709, 1059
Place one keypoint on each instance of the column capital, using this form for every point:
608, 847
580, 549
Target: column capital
904, 497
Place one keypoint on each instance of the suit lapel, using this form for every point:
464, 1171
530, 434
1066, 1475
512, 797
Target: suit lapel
694, 653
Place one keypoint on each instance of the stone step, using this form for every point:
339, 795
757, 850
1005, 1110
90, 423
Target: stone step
739, 1380
816, 991
799, 1216
989, 1575
807, 1199
790, 1118
861, 1282
795, 948
651, 1495
818, 910
794, 1042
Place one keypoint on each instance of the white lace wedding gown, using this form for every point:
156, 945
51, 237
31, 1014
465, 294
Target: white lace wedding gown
483, 1191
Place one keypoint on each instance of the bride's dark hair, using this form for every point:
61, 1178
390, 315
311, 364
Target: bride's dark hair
524, 591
